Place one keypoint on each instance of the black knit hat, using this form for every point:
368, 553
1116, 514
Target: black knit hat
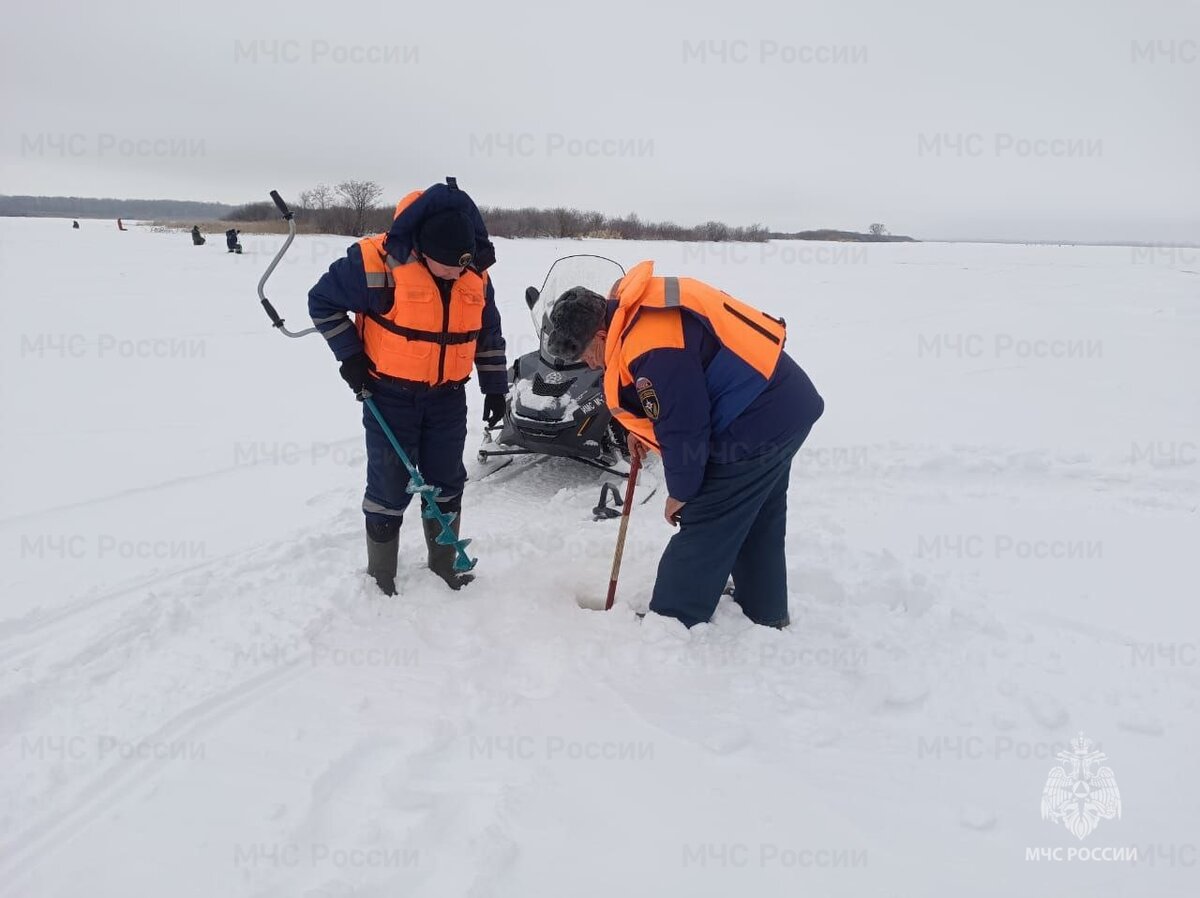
574, 320
447, 237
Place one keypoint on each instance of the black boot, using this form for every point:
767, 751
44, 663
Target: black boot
441, 558
383, 547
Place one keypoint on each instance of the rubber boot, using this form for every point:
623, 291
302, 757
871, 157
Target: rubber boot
382, 557
441, 558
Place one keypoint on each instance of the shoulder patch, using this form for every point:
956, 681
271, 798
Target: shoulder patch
648, 398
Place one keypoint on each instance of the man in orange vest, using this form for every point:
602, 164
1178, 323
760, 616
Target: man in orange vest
702, 378
424, 315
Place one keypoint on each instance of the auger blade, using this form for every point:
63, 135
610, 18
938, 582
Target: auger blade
430, 510
432, 513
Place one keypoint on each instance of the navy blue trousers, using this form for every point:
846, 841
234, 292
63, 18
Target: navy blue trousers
431, 426
735, 525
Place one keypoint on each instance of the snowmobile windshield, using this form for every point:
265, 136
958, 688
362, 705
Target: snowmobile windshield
596, 273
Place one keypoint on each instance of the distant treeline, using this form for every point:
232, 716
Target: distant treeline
842, 236
91, 207
351, 209
563, 223
570, 223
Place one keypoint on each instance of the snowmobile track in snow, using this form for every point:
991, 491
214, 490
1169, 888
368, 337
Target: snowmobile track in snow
122, 778
42, 627
153, 487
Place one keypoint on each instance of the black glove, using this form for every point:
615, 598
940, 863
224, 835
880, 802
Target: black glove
357, 371
493, 409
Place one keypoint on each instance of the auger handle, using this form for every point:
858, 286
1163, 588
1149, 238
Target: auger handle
276, 320
281, 205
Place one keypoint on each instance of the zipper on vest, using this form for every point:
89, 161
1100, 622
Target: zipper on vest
445, 331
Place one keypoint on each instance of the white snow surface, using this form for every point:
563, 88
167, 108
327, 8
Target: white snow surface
991, 547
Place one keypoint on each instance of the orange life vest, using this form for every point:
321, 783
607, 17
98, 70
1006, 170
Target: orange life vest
420, 338
648, 317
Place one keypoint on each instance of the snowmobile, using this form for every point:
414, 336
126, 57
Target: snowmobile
556, 407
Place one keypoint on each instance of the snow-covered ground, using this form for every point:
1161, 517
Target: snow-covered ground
992, 545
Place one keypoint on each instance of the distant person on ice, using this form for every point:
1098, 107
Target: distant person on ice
702, 378
425, 312
231, 240
197, 237
75, 225
121, 225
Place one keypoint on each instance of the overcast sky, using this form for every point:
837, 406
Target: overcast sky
1040, 120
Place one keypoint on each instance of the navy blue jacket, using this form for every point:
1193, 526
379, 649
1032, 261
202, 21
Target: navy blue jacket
786, 407
343, 288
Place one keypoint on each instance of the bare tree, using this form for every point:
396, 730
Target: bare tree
317, 204
563, 222
322, 196
715, 230
360, 196
593, 224
878, 230
628, 228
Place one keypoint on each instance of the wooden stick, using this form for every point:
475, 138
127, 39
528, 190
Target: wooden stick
634, 467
